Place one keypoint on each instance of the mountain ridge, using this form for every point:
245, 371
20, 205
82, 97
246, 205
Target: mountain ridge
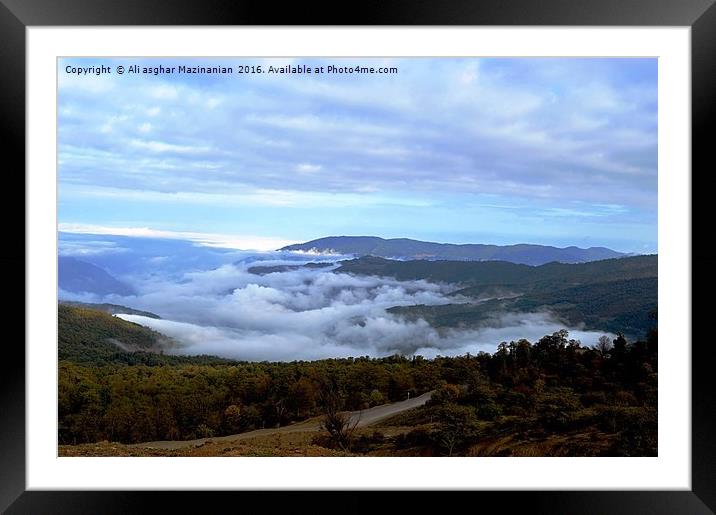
112, 309
406, 248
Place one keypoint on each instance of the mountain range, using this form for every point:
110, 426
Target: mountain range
404, 248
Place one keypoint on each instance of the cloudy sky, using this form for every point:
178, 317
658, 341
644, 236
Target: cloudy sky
550, 151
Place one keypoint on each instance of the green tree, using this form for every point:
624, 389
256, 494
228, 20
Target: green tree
456, 426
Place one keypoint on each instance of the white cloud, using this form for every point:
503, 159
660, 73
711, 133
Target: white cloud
538, 132
164, 92
314, 314
251, 197
442, 120
161, 146
229, 241
308, 168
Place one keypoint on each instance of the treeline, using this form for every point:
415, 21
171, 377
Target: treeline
551, 398
123, 403
530, 391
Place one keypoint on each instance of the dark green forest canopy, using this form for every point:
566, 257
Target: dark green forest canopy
625, 306
477, 276
616, 295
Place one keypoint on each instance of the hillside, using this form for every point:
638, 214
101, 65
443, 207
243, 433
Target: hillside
92, 336
404, 248
615, 295
112, 309
619, 306
478, 278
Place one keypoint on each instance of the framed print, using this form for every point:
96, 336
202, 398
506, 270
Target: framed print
427, 251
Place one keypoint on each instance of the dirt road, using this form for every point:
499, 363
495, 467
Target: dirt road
376, 414
365, 418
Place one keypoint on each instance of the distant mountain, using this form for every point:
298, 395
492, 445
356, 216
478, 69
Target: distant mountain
112, 309
404, 248
81, 277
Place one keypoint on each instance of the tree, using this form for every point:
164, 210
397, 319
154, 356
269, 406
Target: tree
620, 345
456, 425
522, 352
445, 393
340, 425
301, 396
376, 398
233, 420
652, 340
604, 345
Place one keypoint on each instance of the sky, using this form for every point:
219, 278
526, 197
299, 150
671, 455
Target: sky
468, 150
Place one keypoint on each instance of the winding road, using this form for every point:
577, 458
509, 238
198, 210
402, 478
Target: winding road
361, 418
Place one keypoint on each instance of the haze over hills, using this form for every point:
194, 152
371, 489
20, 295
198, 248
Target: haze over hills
405, 248
78, 276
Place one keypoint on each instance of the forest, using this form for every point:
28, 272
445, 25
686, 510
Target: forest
599, 401
615, 295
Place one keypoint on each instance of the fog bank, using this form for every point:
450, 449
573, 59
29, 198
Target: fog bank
313, 314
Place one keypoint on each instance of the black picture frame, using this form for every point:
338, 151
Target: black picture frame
17, 15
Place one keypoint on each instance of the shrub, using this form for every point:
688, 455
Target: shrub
233, 422
593, 398
489, 411
557, 409
445, 393
419, 437
376, 398
204, 431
